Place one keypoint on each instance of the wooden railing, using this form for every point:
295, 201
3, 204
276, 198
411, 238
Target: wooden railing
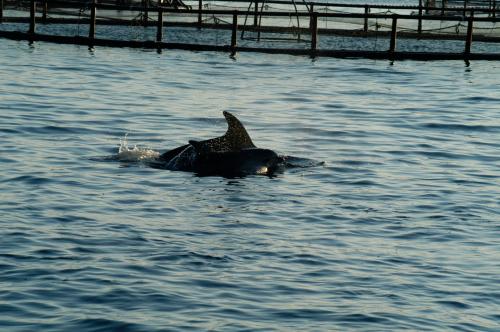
232, 46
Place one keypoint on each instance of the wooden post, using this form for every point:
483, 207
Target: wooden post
32, 27
443, 6
367, 12
311, 10
392, 47
159, 31
92, 23
234, 30
145, 16
468, 41
419, 16
200, 6
1, 11
44, 11
314, 32
494, 8
465, 8
256, 13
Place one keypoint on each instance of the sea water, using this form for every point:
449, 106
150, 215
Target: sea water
398, 230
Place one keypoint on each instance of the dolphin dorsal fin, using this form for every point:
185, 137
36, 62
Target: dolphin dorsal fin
236, 133
236, 138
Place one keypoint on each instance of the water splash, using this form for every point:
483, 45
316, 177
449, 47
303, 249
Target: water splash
135, 154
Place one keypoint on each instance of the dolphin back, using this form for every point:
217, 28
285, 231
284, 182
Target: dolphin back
236, 138
231, 154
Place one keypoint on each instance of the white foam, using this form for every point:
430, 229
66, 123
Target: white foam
125, 153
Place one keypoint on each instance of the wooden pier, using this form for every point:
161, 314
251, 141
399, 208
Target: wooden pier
196, 13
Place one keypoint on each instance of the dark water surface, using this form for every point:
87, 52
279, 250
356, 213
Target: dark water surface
399, 230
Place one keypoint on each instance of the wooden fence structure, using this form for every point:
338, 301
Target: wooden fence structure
232, 46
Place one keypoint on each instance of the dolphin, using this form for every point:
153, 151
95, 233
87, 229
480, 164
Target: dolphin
232, 154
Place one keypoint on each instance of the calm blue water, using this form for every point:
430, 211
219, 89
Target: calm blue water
399, 230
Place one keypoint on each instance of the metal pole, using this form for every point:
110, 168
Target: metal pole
1, 11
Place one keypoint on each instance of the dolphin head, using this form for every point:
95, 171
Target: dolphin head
238, 163
258, 161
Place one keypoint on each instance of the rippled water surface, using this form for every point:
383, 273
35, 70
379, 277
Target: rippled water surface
398, 230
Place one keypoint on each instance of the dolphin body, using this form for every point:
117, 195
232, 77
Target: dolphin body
232, 154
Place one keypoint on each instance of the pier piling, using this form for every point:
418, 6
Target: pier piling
394, 32
314, 32
145, 15
44, 11
159, 28
92, 23
311, 10
419, 28
468, 41
256, 14
32, 27
234, 30
365, 25
200, 8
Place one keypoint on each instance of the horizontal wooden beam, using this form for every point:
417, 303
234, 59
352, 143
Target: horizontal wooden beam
424, 56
